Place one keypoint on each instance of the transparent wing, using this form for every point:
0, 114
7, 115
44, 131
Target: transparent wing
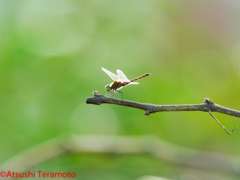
133, 83
110, 74
128, 84
122, 77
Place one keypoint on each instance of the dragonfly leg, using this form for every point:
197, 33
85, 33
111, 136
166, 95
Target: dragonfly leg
113, 94
120, 92
110, 93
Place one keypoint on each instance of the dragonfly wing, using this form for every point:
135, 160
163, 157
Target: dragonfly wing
133, 83
110, 74
127, 85
122, 77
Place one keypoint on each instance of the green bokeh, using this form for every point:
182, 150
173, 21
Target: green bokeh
51, 54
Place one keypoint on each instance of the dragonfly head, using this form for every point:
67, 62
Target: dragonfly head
107, 88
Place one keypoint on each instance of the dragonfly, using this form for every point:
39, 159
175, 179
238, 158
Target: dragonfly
119, 81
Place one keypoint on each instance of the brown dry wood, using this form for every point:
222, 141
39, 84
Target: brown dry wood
207, 106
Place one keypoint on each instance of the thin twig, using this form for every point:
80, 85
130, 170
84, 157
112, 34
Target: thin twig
207, 106
221, 124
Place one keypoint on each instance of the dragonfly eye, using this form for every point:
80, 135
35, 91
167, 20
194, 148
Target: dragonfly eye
107, 88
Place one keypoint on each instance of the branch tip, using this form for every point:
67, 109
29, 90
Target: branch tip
96, 99
97, 93
234, 129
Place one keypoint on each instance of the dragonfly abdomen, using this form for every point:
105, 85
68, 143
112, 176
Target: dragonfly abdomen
140, 77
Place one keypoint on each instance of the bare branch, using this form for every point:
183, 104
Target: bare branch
207, 106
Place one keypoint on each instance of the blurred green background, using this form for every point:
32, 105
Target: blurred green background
51, 54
